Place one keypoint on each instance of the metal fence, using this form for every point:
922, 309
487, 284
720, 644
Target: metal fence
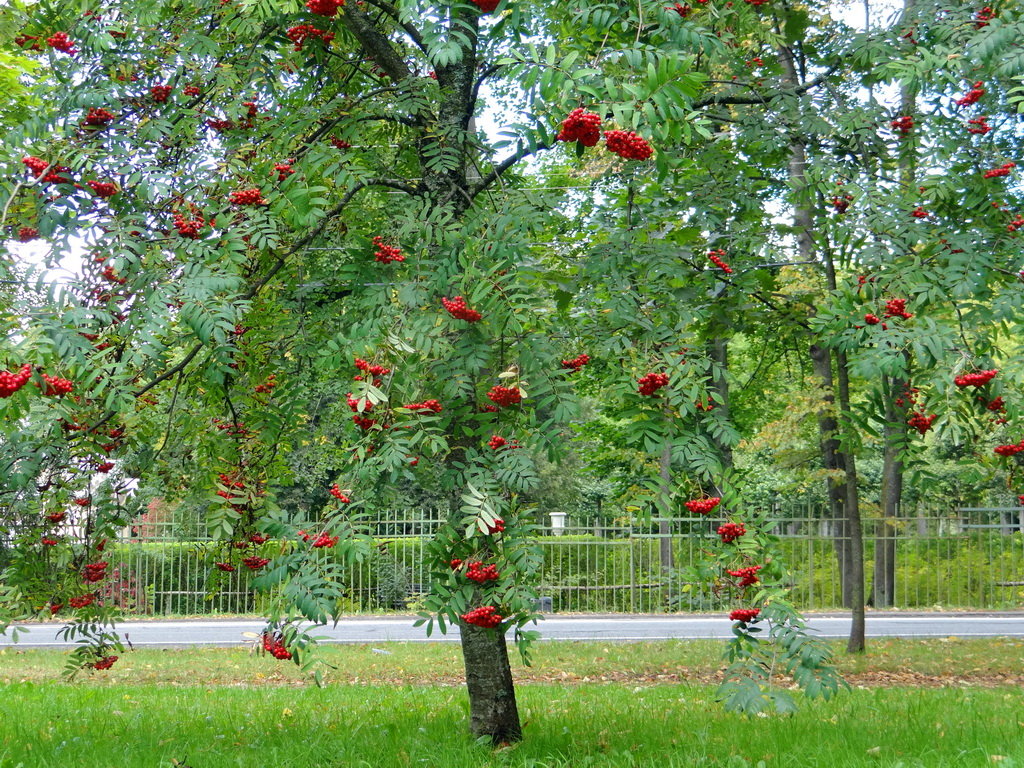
972, 558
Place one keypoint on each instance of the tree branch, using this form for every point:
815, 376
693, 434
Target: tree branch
377, 45
725, 99
520, 154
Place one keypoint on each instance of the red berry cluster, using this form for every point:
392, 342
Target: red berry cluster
682, 10
284, 170
756, 2
703, 506
902, 125
496, 442
426, 405
354, 403
340, 143
102, 188
105, 663
652, 382
268, 385
302, 32
31, 42
897, 308
975, 379
95, 571
254, 562
979, 125
226, 567
82, 602
160, 93
577, 362
747, 576
920, 422
54, 174
12, 382
1002, 170
324, 541
486, 6
191, 90
841, 204
324, 7
385, 254
919, 213
505, 396
496, 527
376, 371
715, 257
744, 614
105, 467
1009, 450
61, 42
220, 125
484, 616
190, 228
731, 531
57, 517
98, 117
274, 645
1016, 224
478, 572
110, 275
48, 542
871, 319
628, 144
457, 308
247, 197
337, 493
996, 405
581, 126
972, 96
26, 234
55, 386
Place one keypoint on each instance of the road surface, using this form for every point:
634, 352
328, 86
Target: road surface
382, 629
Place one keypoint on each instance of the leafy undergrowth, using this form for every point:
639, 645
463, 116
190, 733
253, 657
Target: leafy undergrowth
669, 726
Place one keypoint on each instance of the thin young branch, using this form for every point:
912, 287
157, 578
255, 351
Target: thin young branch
726, 100
520, 154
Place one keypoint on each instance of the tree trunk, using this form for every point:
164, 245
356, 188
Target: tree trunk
854, 528
664, 507
718, 351
834, 462
883, 586
492, 696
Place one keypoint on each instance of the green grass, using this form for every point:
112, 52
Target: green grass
978, 661
583, 704
132, 726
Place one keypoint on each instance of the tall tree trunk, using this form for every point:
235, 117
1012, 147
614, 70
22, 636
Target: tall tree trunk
855, 532
718, 351
850, 541
664, 506
833, 460
894, 432
883, 586
492, 697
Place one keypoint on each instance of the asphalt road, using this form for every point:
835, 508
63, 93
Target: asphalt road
382, 629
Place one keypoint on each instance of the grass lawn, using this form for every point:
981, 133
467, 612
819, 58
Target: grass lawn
583, 704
